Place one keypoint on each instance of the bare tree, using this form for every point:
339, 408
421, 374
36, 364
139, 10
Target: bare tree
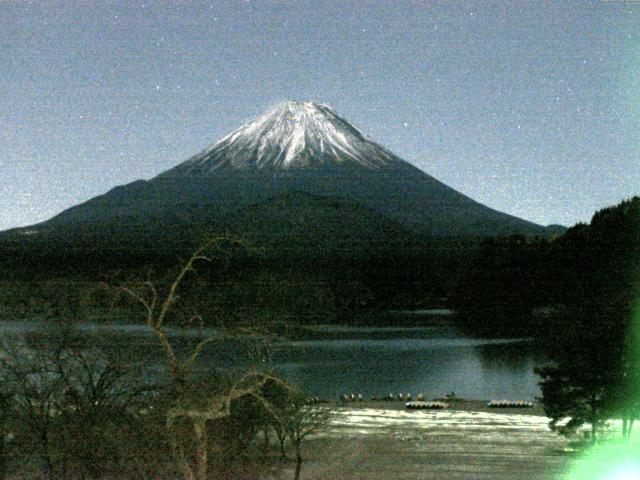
71, 399
279, 425
157, 306
304, 420
195, 403
282, 397
100, 396
6, 408
37, 394
293, 418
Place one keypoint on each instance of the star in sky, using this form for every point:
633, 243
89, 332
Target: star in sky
444, 86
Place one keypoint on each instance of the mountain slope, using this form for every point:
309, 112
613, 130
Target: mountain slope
317, 226
297, 147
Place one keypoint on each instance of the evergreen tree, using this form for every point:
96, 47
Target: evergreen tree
596, 342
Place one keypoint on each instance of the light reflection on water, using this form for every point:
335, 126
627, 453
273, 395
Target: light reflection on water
433, 359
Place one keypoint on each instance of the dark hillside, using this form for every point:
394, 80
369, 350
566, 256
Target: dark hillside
521, 286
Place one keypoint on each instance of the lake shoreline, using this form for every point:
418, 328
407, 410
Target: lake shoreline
381, 440
456, 405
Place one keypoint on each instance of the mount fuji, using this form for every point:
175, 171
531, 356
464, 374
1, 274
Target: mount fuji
304, 165
294, 135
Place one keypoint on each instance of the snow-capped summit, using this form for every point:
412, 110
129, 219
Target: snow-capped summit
292, 135
300, 162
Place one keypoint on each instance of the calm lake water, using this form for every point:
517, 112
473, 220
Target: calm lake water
433, 358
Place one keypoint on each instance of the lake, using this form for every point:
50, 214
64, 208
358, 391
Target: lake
433, 358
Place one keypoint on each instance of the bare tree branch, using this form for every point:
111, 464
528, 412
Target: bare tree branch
218, 406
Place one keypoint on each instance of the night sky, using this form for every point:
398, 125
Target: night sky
530, 108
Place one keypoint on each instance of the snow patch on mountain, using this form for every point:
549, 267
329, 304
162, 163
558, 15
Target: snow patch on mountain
292, 135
